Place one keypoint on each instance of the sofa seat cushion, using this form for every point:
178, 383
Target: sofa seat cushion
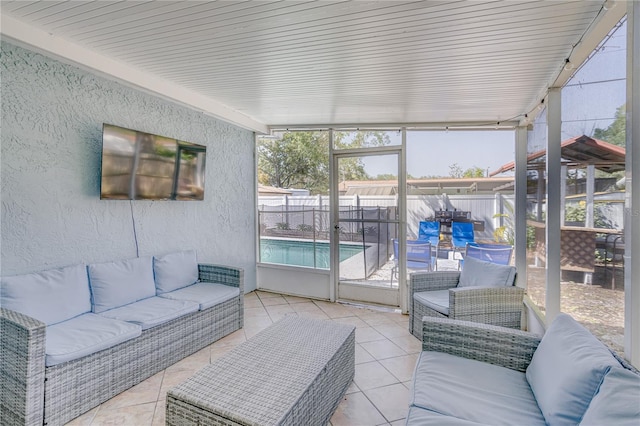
84, 335
116, 284
175, 270
205, 294
438, 300
50, 296
473, 391
617, 401
151, 312
422, 417
566, 370
478, 273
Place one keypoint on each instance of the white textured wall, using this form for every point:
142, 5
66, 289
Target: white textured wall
52, 215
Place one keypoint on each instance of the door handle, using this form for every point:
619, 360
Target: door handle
336, 227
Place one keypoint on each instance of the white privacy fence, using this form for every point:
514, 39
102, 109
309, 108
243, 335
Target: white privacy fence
311, 213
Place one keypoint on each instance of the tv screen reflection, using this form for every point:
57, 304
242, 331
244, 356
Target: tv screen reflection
142, 166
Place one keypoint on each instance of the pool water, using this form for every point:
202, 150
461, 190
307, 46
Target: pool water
301, 253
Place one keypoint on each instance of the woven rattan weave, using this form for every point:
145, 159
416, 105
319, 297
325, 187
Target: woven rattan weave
35, 395
293, 373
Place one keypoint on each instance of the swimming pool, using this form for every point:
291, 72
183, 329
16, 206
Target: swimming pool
301, 253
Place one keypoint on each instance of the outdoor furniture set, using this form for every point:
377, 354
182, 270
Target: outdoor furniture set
482, 292
74, 337
479, 374
293, 373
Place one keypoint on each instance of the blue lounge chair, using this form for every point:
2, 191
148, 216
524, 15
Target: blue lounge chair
419, 256
494, 253
430, 231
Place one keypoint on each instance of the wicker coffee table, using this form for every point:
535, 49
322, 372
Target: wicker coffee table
292, 373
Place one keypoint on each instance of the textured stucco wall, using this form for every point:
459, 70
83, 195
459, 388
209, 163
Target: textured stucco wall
51, 141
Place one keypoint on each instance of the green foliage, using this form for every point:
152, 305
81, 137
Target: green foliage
283, 226
578, 213
506, 233
305, 228
455, 171
615, 133
301, 159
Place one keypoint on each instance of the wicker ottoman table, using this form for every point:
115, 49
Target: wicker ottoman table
292, 373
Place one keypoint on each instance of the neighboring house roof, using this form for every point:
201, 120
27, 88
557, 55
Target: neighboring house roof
429, 186
272, 190
580, 150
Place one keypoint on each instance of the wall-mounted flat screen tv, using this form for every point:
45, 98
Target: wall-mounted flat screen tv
142, 166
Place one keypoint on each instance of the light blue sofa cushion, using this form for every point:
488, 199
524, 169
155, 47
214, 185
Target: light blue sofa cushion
422, 417
473, 391
566, 370
85, 335
50, 296
151, 312
175, 270
617, 401
116, 284
438, 300
205, 294
478, 273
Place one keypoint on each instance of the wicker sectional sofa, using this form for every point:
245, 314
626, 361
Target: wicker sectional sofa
479, 374
74, 337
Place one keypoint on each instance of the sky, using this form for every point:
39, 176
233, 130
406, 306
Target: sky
589, 101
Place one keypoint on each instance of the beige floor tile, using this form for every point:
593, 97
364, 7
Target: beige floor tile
85, 419
307, 306
173, 378
251, 295
408, 343
391, 330
314, 314
255, 312
233, 339
368, 334
159, 418
219, 351
382, 349
295, 299
362, 356
271, 301
138, 415
401, 367
400, 422
258, 321
252, 303
403, 320
377, 320
144, 392
336, 310
353, 388
266, 294
193, 362
373, 375
356, 409
277, 312
392, 401
355, 321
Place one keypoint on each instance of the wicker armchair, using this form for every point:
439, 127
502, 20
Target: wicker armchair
490, 305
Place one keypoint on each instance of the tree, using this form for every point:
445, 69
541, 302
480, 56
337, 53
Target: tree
615, 133
455, 171
301, 159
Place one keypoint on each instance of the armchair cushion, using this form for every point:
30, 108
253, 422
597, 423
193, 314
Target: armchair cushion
50, 296
437, 300
617, 401
116, 284
175, 270
484, 393
566, 370
477, 273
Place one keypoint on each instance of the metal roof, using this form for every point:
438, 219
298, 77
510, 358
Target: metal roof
578, 151
297, 63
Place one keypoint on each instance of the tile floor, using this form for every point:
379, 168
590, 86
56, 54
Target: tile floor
385, 357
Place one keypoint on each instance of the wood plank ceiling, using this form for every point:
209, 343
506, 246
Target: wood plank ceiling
297, 63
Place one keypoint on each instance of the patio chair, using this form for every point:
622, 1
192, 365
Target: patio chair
494, 253
419, 256
461, 234
430, 231
483, 292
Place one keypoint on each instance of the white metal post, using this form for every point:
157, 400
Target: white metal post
632, 207
563, 193
520, 220
402, 226
591, 184
552, 294
334, 231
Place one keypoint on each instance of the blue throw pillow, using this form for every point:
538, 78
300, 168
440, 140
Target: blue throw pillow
617, 401
566, 371
175, 270
51, 296
116, 284
478, 273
